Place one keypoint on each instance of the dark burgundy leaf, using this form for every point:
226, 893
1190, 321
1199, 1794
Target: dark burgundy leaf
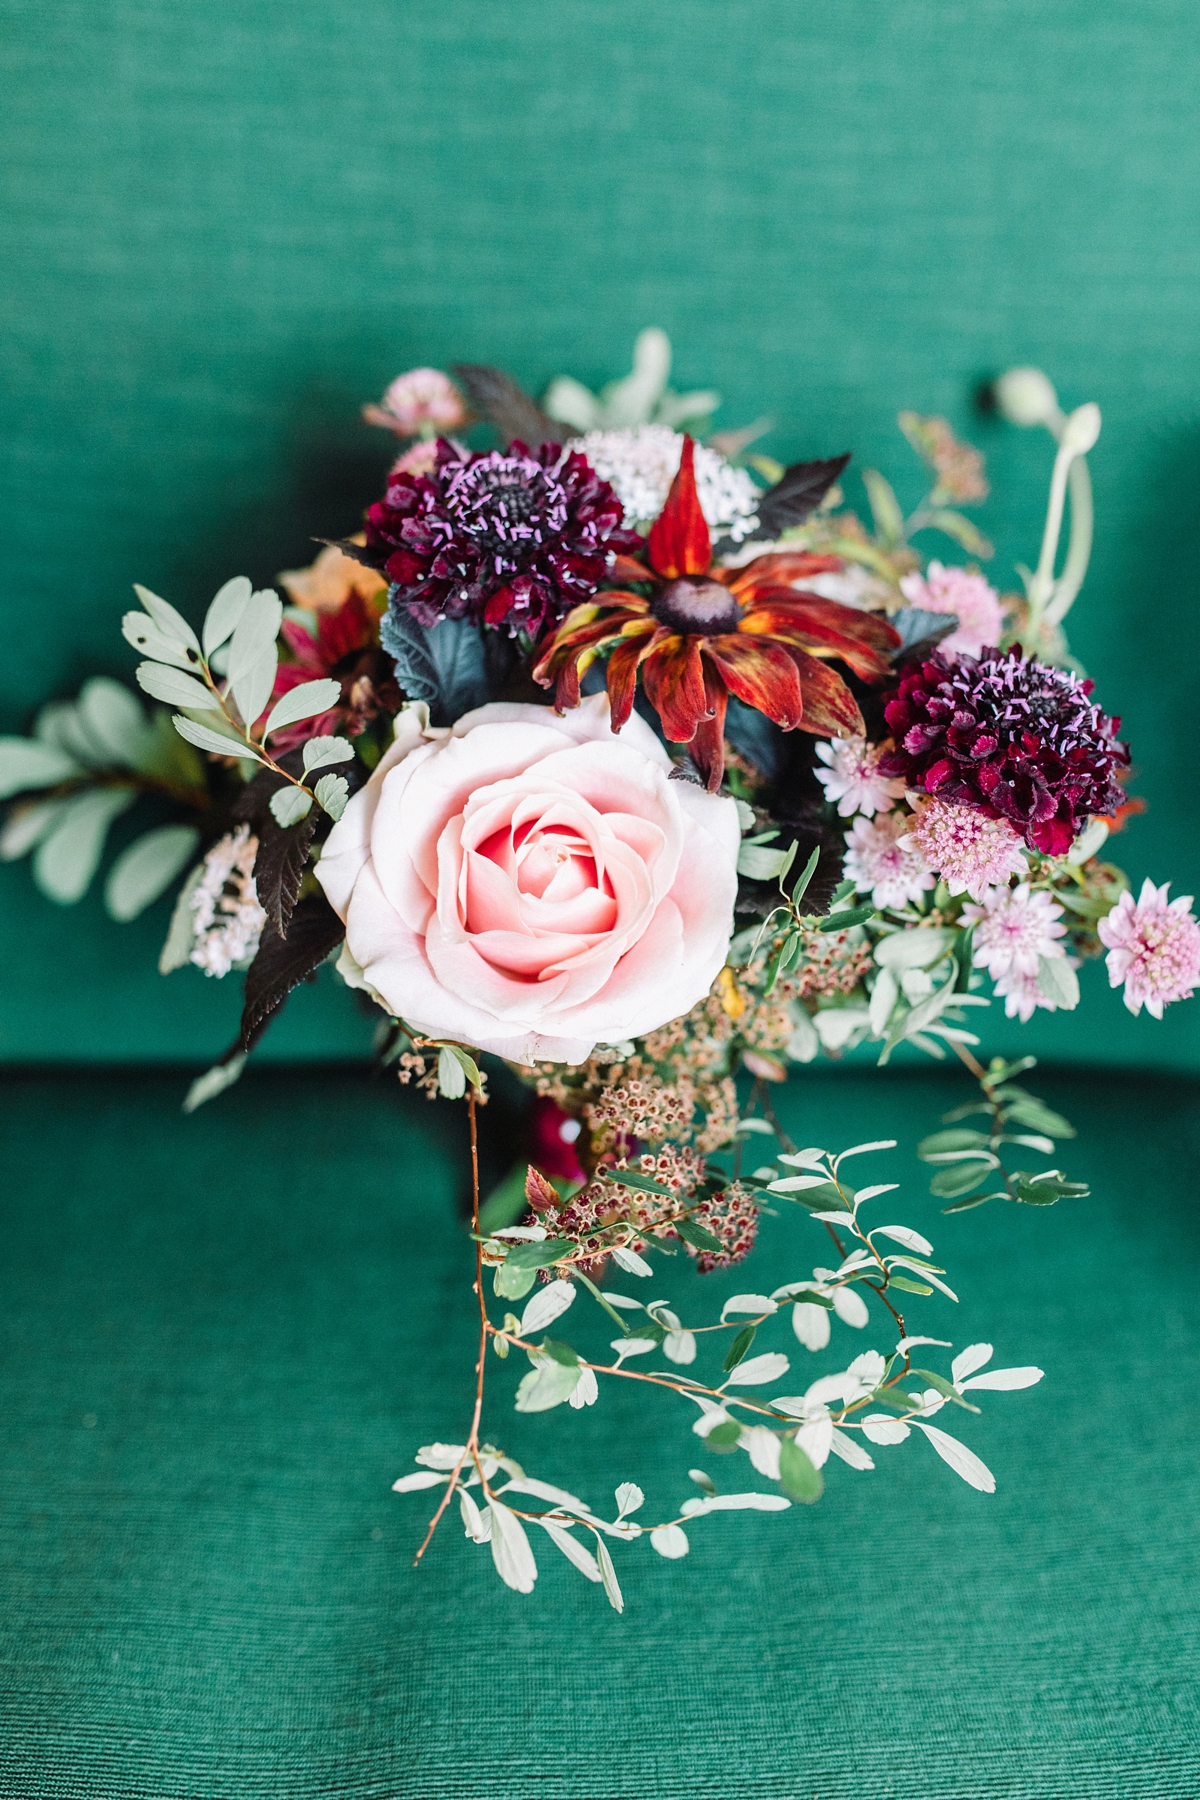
508, 407
798, 492
283, 963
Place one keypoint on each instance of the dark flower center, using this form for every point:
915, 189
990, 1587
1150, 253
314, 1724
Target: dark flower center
695, 604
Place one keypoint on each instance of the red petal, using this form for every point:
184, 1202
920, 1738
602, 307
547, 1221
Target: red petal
673, 677
763, 675
679, 543
779, 570
622, 677
824, 627
707, 748
628, 568
830, 709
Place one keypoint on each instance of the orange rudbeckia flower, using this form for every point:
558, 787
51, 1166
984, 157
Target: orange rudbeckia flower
706, 633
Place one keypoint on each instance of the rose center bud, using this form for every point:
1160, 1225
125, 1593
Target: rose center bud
695, 604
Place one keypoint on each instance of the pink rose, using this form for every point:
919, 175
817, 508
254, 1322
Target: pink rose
533, 885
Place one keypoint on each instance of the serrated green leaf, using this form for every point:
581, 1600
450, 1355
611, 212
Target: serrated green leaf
332, 792
798, 1475
289, 805
806, 874
320, 752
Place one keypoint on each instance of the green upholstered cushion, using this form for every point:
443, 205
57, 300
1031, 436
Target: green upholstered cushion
208, 1385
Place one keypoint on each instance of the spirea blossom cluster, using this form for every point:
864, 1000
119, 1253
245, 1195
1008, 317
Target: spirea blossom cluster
641, 464
227, 919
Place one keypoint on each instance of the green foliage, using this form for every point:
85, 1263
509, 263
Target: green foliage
968, 1157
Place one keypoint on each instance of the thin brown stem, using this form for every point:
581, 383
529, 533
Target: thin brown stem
964, 1056
471, 1447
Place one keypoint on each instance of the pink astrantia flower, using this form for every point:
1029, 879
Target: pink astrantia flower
1014, 927
421, 400
878, 862
971, 852
1153, 948
852, 777
974, 601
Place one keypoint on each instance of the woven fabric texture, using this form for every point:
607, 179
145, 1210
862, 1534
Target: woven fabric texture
226, 226
209, 1383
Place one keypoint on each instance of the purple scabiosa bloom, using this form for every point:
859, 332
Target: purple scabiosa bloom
1012, 737
511, 537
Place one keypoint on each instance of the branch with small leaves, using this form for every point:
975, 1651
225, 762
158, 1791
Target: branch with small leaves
788, 1439
966, 1158
221, 714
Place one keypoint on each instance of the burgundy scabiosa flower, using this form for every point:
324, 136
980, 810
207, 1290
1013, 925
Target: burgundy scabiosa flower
512, 537
1011, 737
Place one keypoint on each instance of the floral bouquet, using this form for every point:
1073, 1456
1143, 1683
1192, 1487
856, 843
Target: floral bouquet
643, 764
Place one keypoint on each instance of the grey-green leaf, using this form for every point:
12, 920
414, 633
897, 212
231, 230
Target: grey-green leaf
117, 721
798, 1474
289, 805
253, 656
333, 791
1058, 982
181, 932
67, 857
140, 630
172, 624
221, 743
320, 752
27, 763
224, 615
143, 871
175, 688
221, 1076
303, 702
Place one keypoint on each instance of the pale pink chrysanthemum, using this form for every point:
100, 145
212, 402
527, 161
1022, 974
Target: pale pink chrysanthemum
852, 777
972, 599
970, 852
1013, 927
1021, 996
878, 863
1153, 948
420, 400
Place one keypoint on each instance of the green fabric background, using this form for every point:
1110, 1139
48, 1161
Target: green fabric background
229, 225
221, 1347
226, 227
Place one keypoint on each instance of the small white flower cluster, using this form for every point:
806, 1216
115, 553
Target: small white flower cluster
227, 919
641, 464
